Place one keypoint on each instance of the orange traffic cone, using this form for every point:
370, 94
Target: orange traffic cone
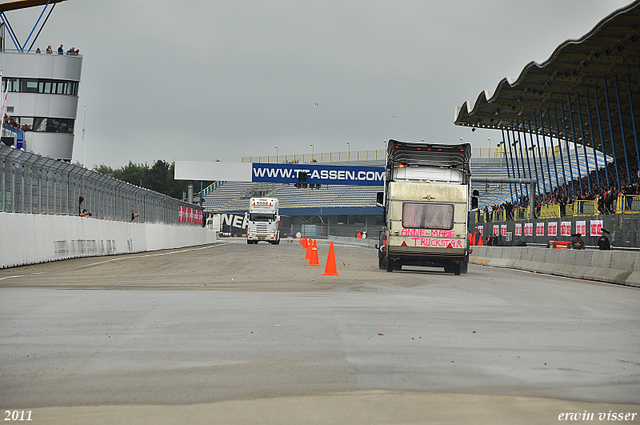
308, 254
304, 243
313, 261
330, 268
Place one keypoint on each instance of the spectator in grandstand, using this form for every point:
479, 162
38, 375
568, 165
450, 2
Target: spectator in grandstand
133, 213
80, 201
85, 213
61, 50
49, 49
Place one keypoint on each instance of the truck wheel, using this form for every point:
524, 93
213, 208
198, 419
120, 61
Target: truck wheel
249, 242
382, 264
389, 264
457, 268
464, 266
277, 242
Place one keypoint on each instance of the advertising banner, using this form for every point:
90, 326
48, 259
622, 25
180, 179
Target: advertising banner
552, 229
318, 174
595, 227
565, 228
581, 227
528, 229
315, 173
518, 229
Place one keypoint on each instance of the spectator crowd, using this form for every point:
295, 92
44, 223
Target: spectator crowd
605, 193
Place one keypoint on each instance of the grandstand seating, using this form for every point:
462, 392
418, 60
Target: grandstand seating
233, 196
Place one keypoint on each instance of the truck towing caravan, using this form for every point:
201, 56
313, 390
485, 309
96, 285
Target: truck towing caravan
425, 205
263, 221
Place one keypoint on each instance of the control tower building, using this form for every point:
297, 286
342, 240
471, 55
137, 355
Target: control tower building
42, 97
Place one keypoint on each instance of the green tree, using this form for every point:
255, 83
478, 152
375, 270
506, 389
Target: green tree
158, 177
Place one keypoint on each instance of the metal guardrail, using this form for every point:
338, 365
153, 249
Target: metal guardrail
33, 184
368, 155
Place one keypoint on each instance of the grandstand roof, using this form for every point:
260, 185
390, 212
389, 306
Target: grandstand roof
24, 4
577, 68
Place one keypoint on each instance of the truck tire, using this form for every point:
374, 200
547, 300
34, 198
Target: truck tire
464, 266
389, 264
382, 263
457, 268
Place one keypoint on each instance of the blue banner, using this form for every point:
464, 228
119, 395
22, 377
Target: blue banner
318, 174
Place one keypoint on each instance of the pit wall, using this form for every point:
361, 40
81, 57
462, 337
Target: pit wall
620, 267
35, 238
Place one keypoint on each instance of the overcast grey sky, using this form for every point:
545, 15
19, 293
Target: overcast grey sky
207, 80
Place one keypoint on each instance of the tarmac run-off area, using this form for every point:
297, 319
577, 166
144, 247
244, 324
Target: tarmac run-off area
232, 333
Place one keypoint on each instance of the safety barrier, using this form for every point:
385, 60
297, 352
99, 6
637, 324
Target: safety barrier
39, 238
628, 204
521, 214
33, 184
621, 267
550, 211
585, 208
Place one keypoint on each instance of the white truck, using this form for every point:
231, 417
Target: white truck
263, 221
425, 206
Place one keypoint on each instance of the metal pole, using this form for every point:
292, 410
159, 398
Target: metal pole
546, 151
535, 166
593, 140
575, 144
526, 150
513, 169
506, 160
602, 144
521, 161
566, 141
555, 163
624, 142
633, 122
564, 174
584, 141
613, 146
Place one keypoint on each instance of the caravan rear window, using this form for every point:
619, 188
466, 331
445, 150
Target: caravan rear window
427, 216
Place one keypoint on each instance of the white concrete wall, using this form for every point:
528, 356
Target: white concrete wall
34, 238
622, 267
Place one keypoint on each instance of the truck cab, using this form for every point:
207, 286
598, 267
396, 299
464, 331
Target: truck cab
263, 221
425, 204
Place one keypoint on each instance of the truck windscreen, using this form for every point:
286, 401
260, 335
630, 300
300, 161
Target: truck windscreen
427, 216
268, 218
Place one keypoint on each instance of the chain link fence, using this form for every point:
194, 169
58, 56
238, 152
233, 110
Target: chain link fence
33, 184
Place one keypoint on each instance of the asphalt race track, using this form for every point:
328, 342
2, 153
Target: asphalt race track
233, 333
